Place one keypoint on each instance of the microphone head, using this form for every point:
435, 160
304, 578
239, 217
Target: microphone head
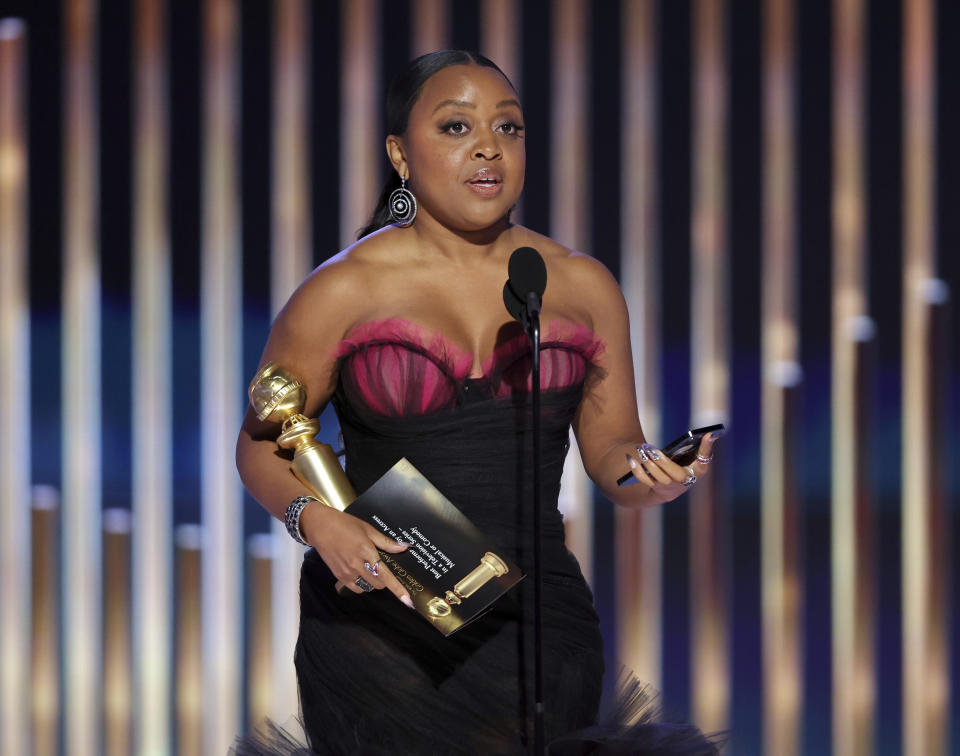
527, 272
512, 302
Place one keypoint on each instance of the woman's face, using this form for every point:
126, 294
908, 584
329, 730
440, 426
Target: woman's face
464, 147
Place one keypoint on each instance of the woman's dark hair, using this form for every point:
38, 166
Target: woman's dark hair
402, 95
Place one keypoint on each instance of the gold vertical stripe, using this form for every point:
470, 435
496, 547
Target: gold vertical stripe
290, 264
852, 576
361, 145
81, 385
639, 531
782, 580
292, 237
14, 389
430, 26
710, 663
570, 223
260, 699
501, 25
117, 611
152, 410
926, 685
222, 398
188, 661
44, 647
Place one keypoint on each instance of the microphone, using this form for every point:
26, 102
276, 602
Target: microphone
521, 295
526, 283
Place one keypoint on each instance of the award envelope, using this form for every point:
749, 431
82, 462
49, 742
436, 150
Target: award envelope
452, 571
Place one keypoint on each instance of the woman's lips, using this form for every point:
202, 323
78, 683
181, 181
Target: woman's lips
486, 187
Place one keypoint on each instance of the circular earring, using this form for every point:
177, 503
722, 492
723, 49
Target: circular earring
403, 205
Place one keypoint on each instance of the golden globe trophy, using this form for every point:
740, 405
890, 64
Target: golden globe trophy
278, 396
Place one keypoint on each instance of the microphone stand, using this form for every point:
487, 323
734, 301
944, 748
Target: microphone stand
532, 326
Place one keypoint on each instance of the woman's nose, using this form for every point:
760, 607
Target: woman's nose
487, 148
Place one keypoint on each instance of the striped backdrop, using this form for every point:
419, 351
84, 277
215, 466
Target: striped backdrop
774, 183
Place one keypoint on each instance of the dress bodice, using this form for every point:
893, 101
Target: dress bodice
406, 392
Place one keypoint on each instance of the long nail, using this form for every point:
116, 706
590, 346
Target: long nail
642, 454
651, 451
632, 462
407, 600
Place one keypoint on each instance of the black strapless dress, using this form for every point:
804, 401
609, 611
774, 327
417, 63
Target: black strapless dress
374, 677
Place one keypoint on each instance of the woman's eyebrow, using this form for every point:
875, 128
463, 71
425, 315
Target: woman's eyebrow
468, 104
458, 103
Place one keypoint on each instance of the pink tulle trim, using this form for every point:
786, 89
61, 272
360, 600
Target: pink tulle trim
455, 361
398, 367
566, 350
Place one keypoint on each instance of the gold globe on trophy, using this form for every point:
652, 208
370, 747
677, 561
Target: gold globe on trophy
278, 396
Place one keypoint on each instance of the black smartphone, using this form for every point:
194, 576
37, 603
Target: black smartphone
683, 450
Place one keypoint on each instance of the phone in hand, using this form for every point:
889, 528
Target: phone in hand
682, 450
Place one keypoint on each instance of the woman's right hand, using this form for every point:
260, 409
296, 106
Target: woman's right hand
345, 542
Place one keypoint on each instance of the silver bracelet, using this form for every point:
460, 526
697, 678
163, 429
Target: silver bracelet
291, 518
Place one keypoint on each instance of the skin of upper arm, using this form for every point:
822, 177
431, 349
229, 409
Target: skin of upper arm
607, 416
304, 336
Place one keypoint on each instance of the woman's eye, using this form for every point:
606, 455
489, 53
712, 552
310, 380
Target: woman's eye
511, 129
454, 127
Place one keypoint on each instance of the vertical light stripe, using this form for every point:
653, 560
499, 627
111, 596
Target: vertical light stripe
152, 407
430, 26
117, 611
570, 224
926, 685
188, 687
361, 145
222, 383
852, 573
81, 385
782, 581
14, 389
290, 264
501, 25
639, 532
45, 560
709, 365
261, 549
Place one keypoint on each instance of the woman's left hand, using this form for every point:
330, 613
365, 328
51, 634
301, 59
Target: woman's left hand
666, 479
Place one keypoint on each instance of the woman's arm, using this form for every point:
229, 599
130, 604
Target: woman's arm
607, 426
303, 340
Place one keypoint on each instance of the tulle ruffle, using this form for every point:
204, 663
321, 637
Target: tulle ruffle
398, 368
634, 724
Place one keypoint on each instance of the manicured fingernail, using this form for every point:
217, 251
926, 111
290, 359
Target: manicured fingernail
632, 462
642, 454
407, 600
651, 451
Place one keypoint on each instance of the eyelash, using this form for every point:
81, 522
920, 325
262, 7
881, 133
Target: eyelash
516, 128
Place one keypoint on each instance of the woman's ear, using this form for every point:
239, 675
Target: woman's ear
397, 156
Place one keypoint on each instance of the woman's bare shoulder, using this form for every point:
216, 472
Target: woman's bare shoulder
343, 284
591, 277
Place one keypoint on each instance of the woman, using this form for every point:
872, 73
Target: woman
406, 332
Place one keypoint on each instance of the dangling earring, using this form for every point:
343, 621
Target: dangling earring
403, 205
